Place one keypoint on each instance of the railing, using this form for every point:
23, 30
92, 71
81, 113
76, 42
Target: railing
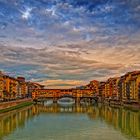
59, 93
74, 96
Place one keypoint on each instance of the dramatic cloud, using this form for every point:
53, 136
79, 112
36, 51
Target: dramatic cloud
75, 66
63, 43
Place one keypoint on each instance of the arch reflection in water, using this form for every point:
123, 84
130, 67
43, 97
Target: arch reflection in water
48, 103
66, 101
122, 120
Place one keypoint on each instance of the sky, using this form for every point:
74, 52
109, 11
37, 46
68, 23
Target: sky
67, 43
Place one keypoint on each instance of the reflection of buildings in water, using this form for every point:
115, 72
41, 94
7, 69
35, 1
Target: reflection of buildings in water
125, 120
93, 112
55, 108
121, 119
9, 122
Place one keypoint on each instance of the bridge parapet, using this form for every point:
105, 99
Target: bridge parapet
57, 93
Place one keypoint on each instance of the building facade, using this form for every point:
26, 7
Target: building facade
93, 85
1, 85
22, 87
32, 86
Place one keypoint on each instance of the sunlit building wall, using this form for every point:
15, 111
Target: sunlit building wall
10, 87
6, 92
1, 85
109, 88
126, 87
135, 87
102, 90
94, 85
13, 87
22, 87
32, 86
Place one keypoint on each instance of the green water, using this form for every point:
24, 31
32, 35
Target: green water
54, 122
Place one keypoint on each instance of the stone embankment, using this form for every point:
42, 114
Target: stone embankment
11, 105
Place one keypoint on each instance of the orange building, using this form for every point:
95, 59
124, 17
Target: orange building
129, 89
115, 91
10, 89
13, 87
111, 88
134, 88
22, 87
1, 85
102, 90
32, 86
94, 85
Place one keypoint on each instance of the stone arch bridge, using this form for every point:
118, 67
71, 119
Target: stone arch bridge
55, 94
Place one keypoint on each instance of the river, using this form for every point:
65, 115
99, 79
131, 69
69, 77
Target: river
76, 122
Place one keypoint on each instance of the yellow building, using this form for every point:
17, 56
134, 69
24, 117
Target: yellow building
126, 86
32, 86
13, 88
22, 87
106, 89
109, 88
6, 91
94, 85
1, 86
102, 90
135, 87
115, 91
10, 87
130, 87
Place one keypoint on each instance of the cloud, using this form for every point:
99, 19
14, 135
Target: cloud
59, 83
75, 21
81, 62
69, 40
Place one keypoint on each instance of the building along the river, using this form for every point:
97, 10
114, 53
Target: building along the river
123, 89
126, 87
129, 90
22, 87
32, 86
111, 88
13, 88
1, 85
10, 87
134, 84
115, 90
102, 90
94, 85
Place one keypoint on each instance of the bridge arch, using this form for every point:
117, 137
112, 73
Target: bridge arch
67, 95
55, 94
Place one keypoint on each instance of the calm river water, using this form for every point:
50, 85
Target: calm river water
77, 122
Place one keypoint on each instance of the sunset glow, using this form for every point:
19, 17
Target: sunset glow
66, 43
